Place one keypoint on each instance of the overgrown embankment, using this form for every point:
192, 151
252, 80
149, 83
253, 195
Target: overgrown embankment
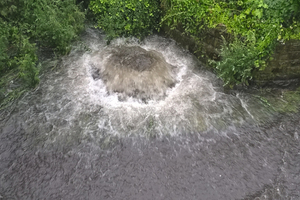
24, 27
255, 28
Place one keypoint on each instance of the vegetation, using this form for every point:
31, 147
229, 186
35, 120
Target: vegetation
256, 26
26, 25
126, 18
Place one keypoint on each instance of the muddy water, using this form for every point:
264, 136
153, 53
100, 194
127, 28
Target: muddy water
73, 138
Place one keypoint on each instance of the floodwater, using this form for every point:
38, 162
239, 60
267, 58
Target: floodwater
90, 132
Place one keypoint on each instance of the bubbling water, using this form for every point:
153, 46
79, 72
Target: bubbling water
146, 88
133, 72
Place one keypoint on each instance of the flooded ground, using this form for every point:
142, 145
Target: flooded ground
72, 138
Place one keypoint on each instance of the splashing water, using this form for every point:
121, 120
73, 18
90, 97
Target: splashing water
143, 120
169, 97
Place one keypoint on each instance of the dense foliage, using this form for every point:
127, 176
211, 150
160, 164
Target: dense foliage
126, 18
255, 24
23, 23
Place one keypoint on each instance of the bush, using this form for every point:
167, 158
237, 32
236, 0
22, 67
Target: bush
51, 23
264, 21
126, 18
27, 59
4, 33
56, 23
237, 63
190, 14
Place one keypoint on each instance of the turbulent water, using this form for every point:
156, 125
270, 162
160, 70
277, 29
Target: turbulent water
143, 120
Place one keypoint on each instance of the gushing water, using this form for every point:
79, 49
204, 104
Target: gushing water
143, 120
149, 88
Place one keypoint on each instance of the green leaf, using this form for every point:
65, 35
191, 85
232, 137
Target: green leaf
258, 13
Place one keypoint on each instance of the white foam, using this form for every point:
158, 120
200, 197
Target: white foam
194, 104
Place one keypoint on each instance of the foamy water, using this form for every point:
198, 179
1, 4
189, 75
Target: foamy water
72, 138
195, 103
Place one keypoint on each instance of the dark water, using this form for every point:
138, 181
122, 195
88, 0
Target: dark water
73, 139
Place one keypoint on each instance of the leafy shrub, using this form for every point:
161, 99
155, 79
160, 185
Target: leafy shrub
55, 23
51, 23
126, 18
27, 59
265, 21
190, 14
283, 9
3, 46
237, 63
